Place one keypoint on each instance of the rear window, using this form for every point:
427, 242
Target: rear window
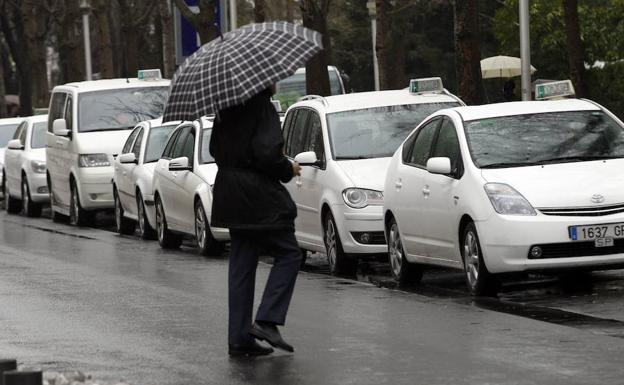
6, 133
119, 109
156, 142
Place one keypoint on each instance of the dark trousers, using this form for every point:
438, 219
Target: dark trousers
245, 249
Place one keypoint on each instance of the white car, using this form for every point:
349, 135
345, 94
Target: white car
25, 168
7, 130
134, 174
347, 141
510, 187
183, 180
88, 124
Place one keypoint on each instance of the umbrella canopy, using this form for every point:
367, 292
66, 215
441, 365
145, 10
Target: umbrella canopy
502, 67
230, 70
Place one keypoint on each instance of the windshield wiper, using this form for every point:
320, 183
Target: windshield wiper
509, 164
353, 157
107, 129
581, 158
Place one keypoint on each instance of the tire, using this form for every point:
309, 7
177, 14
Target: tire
166, 239
146, 231
29, 208
339, 262
205, 241
402, 271
56, 217
479, 280
77, 215
12, 205
123, 225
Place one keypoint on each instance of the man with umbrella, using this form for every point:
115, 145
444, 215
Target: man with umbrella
233, 77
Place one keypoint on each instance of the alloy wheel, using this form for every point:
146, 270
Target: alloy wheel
25, 197
74, 208
141, 214
160, 226
118, 212
396, 250
330, 241
471, 258
200, 226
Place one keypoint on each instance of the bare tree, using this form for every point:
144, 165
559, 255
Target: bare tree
391, 44
467, 52
260, 11
314, 14
134, 13
204, 21
36, 19
576, 51
166, 21
70, 42
104, 39
3, 106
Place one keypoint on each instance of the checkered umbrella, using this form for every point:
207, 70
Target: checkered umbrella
231, 69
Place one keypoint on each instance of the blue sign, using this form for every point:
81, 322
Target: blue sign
186, 37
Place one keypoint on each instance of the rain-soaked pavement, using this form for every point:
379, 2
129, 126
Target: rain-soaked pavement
121, 308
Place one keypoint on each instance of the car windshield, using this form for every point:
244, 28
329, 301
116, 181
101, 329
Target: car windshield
120, 109
205, 156
553, 137
376, 132
289, 90
39, 137
156, 142
6, 133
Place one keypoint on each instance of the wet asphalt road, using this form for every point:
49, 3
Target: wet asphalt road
121, 308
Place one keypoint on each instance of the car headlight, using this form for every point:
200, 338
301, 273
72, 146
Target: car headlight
359, 198
38, 166
508, 201
93, 160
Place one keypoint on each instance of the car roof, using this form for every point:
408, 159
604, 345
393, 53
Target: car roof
11, 120
362, 100
522, 108
37, 118
111, 84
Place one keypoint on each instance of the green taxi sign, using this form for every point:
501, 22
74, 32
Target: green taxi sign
419, 86
554, 90
153, 74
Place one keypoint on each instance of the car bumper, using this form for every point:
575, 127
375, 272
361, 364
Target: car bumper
95, 188
506, 242
353, 222
38, 185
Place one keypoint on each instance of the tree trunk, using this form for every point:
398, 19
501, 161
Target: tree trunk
71, 45
576, 51
391, 45
290, 10
467, 52
314, 15
204, 21
166, 21
35, 28
105, 42
259, 11
3, 106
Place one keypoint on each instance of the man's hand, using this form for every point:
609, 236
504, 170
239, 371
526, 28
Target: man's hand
296, 169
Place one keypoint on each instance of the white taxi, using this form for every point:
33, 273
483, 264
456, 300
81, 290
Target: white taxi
7, 130
89, 123
346, 142
183, 180
25, 167
134, 174
509, 187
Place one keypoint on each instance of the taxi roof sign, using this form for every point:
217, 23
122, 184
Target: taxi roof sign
153, 74
419, 86
554, 90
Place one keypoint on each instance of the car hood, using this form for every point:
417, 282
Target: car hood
107, 142
565, 185
208, 172
366, 173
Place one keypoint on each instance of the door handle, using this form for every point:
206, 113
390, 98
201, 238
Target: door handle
398, 183
59, 142
426, 192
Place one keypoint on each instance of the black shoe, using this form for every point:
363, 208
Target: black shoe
255, 349
268, 332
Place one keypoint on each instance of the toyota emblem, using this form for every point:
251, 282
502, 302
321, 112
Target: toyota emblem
597, 198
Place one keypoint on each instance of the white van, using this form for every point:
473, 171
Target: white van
88, 124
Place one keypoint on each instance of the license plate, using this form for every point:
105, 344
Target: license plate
603, 242
592, 232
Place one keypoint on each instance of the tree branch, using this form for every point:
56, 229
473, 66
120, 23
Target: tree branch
187, 13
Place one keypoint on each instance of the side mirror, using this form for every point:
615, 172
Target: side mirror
307, 158
439, 166
127, 158
15, 144
59, 128
179, 164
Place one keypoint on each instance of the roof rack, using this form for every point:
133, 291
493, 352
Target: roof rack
314, 97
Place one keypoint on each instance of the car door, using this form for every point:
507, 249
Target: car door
409, 184
163, 180
170, 182
66, 156
12, 168
53, 154
439, 205
125, 186
186, 182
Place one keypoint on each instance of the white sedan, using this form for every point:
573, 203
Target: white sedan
183, 180
7, 130
133, 176
347, 142
25, 168
510, 187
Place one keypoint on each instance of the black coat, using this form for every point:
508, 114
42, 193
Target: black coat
247, 145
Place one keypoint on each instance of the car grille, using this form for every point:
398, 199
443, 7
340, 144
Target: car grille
577, 249
595, 211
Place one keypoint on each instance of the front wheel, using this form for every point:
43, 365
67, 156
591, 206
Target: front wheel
205, 241
29, 208
479, 280
166, 239
339, 262
145, 229
77, 215
12, 205
123, 225
402, 271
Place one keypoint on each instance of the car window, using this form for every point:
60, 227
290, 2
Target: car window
68, 113
168, 151
22, 135
205, 156
130, 141
297, 136
57, 106
136, 148
18, 130
156, 142
447, 144
287, 126
38, 137
184, 144
315, 137
422, 145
